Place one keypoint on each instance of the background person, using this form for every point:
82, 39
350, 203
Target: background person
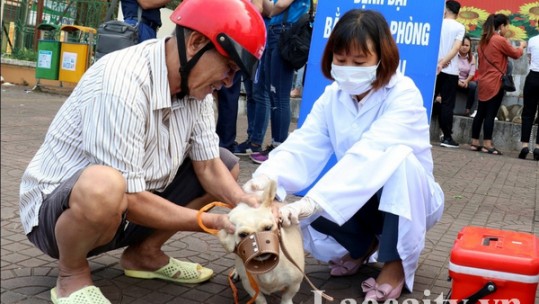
447, 69
531, 101
134, 148
493, 51
467, 66
373, 119
278, 73
150, 19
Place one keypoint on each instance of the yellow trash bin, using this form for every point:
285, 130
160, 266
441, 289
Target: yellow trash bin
74, 56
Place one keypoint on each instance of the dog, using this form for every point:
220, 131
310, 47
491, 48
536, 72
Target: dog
285, 277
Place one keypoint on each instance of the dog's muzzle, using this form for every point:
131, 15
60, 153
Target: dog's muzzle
259, 251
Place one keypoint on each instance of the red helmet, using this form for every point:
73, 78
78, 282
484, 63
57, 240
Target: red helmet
235, 27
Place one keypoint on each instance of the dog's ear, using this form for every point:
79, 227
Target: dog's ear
269, 194
227, 240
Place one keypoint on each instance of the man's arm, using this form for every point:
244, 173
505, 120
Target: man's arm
149, 4
151, 210
447, 58
276, 8
217, 180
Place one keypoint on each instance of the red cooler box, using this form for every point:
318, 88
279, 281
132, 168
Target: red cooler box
494, 264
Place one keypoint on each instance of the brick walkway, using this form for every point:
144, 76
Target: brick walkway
480, 189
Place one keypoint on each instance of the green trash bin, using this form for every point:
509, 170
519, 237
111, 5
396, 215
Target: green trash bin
48, 59
48, 54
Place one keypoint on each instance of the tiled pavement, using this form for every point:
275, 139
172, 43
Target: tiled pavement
485, 190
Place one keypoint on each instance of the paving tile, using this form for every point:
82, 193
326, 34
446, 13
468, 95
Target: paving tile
483, 190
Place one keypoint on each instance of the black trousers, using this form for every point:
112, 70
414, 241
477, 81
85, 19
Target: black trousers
531, 106
446, 87
361, 230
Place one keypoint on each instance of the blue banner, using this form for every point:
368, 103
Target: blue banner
415, 26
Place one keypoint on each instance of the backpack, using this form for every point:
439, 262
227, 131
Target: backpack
114, 35
294, 43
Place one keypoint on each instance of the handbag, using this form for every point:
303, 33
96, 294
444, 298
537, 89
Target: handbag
294, 43
113, 35
508, 84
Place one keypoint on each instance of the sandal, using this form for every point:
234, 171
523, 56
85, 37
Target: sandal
86, 295
347, 266
175, 271
475, 148
492, 151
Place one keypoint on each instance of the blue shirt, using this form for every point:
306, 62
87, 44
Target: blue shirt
295, 10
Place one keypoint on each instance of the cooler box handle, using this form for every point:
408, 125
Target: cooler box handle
489, 288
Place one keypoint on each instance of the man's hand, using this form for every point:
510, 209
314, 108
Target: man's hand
256, 185
250, 199
292, 213
222, 222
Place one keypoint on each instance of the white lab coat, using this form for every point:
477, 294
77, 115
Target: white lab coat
382, 143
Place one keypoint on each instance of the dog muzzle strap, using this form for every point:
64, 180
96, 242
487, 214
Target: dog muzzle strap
259, 251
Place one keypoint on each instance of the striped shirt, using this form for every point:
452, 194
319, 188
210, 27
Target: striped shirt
122, 115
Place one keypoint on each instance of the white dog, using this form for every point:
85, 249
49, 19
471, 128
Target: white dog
285, 277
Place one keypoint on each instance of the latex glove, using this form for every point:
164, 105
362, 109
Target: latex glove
293, 212
256, 185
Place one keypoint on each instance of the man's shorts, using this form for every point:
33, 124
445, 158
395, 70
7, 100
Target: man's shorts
184, 188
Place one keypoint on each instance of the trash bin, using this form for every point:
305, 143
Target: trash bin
75, 52
48, 53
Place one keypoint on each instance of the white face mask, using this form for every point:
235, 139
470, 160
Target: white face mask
354, 80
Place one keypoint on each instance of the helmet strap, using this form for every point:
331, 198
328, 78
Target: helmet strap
187, 66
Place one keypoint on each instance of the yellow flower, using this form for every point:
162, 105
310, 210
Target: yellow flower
515, 33
531, 10
505, 12
472, 16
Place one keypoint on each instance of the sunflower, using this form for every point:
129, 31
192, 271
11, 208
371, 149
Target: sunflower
505, 12
471, 16
531, 10
516, 33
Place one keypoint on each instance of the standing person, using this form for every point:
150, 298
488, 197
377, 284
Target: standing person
373, 119
150, 20
467, 66
227, 107
278, 73
531, 101
133, 151
493, 51
448, 71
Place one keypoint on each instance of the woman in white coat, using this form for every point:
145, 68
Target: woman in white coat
381, 194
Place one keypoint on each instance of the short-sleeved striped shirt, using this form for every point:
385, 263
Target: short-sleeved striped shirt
122, 115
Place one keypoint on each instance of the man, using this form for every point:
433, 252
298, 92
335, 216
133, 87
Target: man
150, 20
134, 145
448, 71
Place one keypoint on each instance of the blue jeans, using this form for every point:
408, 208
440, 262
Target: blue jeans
227, 112
278, 81
145, 32
258, 106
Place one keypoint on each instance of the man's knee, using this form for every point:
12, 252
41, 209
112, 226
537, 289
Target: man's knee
99, 192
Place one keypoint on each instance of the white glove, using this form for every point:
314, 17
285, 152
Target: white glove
293, 212
256, 185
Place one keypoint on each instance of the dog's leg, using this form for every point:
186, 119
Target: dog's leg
260, 299
289, 293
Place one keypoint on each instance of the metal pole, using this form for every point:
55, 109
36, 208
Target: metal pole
39, 19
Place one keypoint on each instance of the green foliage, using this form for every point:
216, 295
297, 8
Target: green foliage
23, 54
173, 4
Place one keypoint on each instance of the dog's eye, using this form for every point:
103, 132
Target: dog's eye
268, 228
243, 235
